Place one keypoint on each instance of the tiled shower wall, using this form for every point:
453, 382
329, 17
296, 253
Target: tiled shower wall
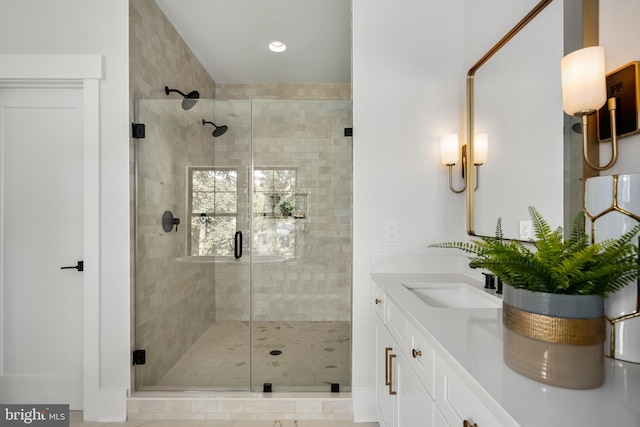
307, 136
181, 294
175, 298
158, 57
178, 297
284, 91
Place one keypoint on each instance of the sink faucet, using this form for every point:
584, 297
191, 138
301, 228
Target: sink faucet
489, 281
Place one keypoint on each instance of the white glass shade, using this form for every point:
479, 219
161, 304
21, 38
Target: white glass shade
480, 148
449, 149
583, 81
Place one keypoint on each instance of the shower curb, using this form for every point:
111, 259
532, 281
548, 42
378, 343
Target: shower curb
280, 406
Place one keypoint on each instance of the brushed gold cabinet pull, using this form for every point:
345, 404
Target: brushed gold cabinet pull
386, 365
391, 357
378, 301
416, 353
466, 423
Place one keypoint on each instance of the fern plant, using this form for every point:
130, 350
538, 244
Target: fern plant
572, 266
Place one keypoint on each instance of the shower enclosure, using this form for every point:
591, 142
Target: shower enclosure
243, 245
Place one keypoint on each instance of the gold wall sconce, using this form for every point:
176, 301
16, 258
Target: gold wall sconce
585, 90
449, 156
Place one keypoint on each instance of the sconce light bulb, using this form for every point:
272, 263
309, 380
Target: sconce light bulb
449, 149
583, 81
480, 148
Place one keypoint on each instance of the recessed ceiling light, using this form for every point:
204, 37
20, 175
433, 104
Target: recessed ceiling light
278, 47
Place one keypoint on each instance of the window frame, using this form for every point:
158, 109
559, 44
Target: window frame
192, 214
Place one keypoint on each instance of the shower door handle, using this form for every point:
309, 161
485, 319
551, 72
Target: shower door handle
237, 245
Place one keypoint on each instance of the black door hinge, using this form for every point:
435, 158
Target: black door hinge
348, 131
139, 357
137, 130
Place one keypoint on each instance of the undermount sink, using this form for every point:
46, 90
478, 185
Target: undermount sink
453, 295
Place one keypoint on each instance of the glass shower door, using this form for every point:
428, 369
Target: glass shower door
192, 299
243, 245
301, 275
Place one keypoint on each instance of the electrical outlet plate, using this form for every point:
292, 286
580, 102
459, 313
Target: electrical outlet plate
525, 230
391, 231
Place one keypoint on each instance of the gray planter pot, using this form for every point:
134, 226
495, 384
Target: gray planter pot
554, 339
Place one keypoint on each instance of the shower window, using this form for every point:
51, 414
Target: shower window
214, 206
273, 204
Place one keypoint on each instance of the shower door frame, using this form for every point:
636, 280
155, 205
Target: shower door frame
144, 110
247, 171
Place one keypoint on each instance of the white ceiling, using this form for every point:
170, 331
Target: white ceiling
230, 38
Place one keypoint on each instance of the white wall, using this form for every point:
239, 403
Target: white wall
620, 36
519, 82
96, 27
408, 74
408, 89
409, 69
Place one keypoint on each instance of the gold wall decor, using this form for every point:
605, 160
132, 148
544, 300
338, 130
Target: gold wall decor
612, 207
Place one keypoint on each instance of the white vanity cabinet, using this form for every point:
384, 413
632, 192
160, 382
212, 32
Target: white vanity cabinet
401, 397
415, 406
456, 401
421, 357
386, 401
438, 418
447, 365
415, 387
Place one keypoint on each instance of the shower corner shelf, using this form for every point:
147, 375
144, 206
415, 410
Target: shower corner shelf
283, 216
299, 202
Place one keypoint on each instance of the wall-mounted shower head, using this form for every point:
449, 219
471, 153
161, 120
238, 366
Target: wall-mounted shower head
218, 131
189, 100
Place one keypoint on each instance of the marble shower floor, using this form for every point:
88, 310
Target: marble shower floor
314, 354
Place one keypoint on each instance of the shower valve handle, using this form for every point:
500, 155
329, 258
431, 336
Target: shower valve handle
237, 249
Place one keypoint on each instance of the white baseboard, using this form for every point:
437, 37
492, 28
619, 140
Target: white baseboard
364, 405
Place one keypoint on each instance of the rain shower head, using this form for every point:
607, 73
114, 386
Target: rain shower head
218, 131
189, 100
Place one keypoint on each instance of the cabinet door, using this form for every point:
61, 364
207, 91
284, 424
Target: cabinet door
386, 403
457, 401
379, 302
438, 418
415, 407
421, 357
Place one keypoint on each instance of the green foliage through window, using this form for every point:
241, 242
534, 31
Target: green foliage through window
274, 227
214, 206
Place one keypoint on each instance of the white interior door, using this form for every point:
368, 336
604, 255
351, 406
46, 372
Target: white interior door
41, 225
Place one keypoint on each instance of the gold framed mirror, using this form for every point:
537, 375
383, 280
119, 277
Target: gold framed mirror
514, 95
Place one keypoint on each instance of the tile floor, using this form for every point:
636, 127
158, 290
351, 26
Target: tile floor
76, 421
314, 354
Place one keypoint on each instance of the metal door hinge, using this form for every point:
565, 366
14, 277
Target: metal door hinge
139, 357
137, 130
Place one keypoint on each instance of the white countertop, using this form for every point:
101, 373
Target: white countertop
470, 340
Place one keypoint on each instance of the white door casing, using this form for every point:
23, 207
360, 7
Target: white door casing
85, 71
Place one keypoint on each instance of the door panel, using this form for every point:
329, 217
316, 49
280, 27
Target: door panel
192, 297
41, 230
